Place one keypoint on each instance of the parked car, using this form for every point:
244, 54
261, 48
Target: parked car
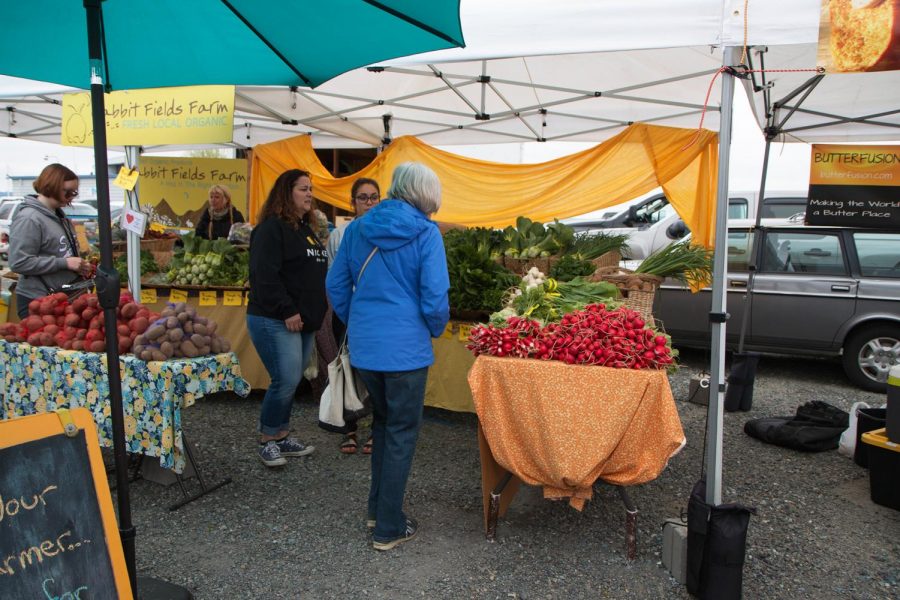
76, 211
651, 223
818, 291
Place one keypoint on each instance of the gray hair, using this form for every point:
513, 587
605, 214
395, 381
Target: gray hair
418, 185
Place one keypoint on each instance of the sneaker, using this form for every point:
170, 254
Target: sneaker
412, 527
370, 523
270, 454
292, 447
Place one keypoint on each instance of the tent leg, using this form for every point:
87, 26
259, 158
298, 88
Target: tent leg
717, 312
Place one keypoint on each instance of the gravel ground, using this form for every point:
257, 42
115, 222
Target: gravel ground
298, 532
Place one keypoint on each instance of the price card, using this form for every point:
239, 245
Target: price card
177, 295
464, 331
246, 298
127, 178
448, 331
208, 298
148, 296
232, 298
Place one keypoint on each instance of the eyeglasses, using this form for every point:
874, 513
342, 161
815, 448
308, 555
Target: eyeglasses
71, 194
373, 199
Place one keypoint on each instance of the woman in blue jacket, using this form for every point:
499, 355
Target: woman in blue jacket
392, 311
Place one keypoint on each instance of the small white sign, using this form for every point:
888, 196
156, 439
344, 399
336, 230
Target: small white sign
134, 221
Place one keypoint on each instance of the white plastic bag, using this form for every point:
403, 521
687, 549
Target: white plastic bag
848, 439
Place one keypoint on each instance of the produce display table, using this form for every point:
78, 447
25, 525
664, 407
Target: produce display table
566, 426
447, 386
40, 379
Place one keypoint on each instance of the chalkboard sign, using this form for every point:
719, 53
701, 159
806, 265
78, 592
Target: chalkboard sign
56, 539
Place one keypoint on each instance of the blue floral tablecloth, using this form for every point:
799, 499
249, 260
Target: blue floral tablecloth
38, 379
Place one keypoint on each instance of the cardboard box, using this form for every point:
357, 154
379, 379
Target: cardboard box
884, 465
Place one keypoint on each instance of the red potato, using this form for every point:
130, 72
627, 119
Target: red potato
139, 324
47, 339
52, 329
78, 345
78, 306
34, 307
129, 310
123, 330
59, 310
33, 323
97, 346
88, 313
48, 319
60, 297
72, 319
34, 339
81, 334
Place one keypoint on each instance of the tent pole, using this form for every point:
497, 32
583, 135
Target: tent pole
108, 285
717, 312
134, 240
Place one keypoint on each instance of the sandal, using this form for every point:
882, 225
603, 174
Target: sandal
348, 444
367, 447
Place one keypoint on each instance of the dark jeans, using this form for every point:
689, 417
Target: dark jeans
397, 401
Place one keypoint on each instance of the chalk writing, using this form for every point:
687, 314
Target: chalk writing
10, 507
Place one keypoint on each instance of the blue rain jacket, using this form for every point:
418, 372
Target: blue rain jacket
400, 301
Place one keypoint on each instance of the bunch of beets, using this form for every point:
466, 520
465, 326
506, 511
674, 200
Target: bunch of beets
595, 335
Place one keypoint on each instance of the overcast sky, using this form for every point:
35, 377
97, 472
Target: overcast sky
788, 169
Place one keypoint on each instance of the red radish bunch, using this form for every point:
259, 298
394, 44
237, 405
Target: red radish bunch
79, 324
596, 335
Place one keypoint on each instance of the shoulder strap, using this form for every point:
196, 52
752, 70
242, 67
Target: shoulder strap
365, 264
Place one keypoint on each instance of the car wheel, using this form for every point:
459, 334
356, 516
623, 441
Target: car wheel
870, 353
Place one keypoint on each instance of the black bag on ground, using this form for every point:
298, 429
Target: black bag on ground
816, 427
868, 420
716, 545
739, 393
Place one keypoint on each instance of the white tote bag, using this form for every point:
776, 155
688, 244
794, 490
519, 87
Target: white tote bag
344, 398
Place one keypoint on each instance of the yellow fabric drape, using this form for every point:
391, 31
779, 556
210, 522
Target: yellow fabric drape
490, 194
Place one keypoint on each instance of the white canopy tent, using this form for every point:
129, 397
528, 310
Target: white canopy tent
580, 70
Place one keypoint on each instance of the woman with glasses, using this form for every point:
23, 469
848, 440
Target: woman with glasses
399, 304
286, 306
218, 218
43, 248
364, 194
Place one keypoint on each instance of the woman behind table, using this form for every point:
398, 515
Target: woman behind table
286, 306
399, 304
43, 248
217, 220
364, 194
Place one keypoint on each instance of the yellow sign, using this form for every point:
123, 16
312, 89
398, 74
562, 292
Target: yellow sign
208, 298
178, 295
464, 331
246, 298
148, 296
448, 331
859, 35
854, 186
232, 298
178, 115
177, 189
127, 178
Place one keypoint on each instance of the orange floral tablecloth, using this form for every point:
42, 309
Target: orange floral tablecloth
566, 426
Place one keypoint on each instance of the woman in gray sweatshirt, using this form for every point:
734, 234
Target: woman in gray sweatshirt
43, 248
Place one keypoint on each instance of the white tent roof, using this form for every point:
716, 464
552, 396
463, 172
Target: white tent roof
535, 71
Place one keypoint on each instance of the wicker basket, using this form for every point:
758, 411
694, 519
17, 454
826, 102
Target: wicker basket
520, 266
609, 259
162, 250
638, 289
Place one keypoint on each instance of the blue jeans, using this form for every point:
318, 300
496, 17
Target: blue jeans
284, 354
397, 401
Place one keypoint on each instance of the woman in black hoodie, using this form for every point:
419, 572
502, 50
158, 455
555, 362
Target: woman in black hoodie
286, 306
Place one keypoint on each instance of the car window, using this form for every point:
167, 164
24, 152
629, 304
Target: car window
737, 208
782, 208
801, 252
5, 210
740, 245
879, 254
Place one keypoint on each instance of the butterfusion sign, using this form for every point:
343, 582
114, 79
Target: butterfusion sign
856, 186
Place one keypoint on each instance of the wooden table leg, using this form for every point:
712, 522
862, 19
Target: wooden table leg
631, 513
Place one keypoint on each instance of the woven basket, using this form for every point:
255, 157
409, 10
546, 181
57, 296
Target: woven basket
609, 259
520, 266
162, 250
638, 289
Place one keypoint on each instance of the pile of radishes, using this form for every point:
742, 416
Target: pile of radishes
79, 325
179, 332
596, 335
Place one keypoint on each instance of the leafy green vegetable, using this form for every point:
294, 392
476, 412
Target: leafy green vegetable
148, 264
569, 267
589, 246
682, 261
551, 300
476, 281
